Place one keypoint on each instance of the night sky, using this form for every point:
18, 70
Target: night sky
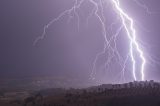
66, 51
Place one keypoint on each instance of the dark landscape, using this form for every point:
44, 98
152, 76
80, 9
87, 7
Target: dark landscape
143, 93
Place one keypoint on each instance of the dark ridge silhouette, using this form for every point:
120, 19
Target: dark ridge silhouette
143, 93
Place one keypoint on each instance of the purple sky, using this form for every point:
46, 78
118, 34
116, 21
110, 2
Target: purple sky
65, 51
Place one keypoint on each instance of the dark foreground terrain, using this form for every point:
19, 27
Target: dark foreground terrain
129, 94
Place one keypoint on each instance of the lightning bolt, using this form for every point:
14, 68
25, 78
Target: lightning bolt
110, 46
131, 32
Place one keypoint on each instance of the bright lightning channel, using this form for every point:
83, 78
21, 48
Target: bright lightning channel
131, 32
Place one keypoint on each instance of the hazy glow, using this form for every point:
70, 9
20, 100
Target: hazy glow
110, 46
